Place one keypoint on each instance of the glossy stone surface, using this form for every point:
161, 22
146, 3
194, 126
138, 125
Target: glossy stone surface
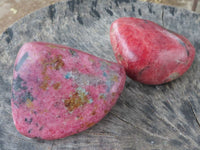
59, 91
150, 53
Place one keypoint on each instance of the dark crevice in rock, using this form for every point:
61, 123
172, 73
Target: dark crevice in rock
162, 15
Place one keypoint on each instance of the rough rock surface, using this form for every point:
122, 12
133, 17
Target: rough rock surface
144, 117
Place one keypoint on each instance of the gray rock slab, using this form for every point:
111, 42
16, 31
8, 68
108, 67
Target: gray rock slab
164, 117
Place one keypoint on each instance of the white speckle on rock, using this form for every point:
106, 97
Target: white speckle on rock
5, 58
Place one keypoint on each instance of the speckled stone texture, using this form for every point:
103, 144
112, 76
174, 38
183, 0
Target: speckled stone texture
59, 91
149, 53
144, 117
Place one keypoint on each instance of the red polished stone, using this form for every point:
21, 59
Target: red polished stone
150, 53
59, 91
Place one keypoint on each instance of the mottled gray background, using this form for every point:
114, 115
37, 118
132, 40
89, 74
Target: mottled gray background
145, 117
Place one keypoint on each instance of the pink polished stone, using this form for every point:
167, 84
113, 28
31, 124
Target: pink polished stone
59, 91
150, 53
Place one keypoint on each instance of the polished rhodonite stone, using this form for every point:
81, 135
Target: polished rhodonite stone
59, 91
150, 53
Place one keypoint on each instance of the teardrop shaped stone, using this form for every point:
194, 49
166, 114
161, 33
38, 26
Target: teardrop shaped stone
150, 53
